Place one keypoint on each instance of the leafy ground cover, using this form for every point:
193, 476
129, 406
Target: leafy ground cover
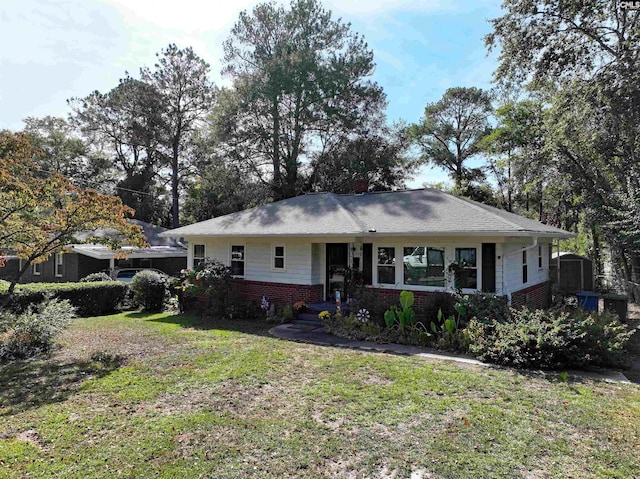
141, 395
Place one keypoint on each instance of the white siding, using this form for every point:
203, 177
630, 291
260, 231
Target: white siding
499, 270
317, 262
513, 266
258, 258
305, 258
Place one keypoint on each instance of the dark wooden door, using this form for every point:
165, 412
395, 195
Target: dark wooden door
488, 267
337, 263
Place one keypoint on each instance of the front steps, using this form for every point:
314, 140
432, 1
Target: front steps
311, 316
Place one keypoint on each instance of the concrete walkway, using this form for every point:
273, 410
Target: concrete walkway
304, 333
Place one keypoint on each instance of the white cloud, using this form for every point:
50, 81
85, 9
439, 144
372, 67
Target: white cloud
376, 7
188, 16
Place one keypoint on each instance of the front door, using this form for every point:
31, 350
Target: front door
337, 263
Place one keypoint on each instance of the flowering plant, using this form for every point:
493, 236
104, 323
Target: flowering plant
300, 306
324, 315
264, 303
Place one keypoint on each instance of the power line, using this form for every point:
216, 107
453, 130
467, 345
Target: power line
85, 182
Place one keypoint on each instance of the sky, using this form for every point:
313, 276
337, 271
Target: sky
53, 50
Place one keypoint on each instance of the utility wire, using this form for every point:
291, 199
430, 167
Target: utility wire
86, 183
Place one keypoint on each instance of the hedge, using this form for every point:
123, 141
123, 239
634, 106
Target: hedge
89, 299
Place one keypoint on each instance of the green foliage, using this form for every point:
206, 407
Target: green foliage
150, 290
243, 310
95, 277
451, 131
32, 332
300, 77
580, 59
89, 299
376, 157
448, 332
484, 307
550, 339
208, 287
351, 327
287, 313
368, 298
404, 316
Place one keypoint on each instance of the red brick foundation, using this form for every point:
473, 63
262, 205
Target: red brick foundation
423, 299
281, 293
537, 296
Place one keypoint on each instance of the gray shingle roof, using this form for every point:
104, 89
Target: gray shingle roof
427, 212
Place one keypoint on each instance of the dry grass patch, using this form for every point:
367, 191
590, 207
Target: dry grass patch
172, 396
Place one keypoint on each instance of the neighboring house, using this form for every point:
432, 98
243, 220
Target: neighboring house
165, 254
299, 248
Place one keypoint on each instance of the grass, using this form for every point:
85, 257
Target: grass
135, 395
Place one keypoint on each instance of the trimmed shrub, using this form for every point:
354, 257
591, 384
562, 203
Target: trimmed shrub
89, 299
550, 339
485, 307
208, 287
150, 290
96, 277
32, 332
352, 328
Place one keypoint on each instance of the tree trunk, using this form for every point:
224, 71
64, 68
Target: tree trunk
12, 285
597, 255
509, 183
175, 217
277, 177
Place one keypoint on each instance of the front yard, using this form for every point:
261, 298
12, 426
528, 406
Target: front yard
135, 395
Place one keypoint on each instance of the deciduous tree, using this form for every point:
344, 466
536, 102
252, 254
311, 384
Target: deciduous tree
41, 213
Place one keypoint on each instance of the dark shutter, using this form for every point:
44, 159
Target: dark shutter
488, 267
367, 263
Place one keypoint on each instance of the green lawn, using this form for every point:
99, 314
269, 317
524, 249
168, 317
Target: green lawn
169, 397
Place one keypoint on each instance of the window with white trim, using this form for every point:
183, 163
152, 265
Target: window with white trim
423, 266
539, 256
525, 267
278, 257
386, 265
59, 265
199, 252
466, 276
237, 260
37, 269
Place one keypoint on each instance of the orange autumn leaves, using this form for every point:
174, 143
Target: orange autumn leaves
42, 212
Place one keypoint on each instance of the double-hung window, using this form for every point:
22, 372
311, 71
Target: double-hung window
59, 265
37, 269
237, 260
539, 256
278, 260
386, 265
467, 274
198, 254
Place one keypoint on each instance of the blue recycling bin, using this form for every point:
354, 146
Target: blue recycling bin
588, 300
